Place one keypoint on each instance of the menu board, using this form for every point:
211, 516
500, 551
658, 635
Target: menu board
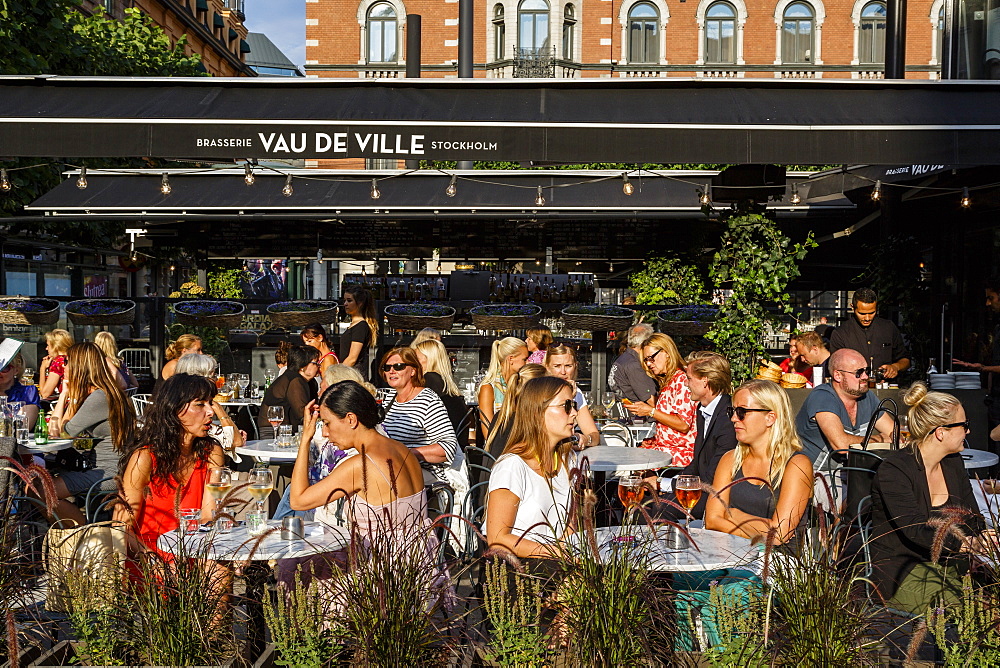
400, 238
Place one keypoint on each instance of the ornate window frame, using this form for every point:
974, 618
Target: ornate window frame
819, 16
623, 13
741, 19
363, 8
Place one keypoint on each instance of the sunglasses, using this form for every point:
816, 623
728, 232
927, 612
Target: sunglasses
398, 366
652, 357
964, 425
6, 369
741, 413
857, 374
569, 406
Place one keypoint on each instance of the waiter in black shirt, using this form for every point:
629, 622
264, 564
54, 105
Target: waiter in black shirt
877, 339
991, 366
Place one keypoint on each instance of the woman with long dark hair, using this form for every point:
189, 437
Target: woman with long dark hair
172, 450
315, 335
292, 390
362, 334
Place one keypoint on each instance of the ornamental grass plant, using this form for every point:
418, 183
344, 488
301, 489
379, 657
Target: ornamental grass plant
300, 630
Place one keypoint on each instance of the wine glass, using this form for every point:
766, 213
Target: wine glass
275, 416
630, 491
261, 484
609, 403
243, 380
904, 429
220, 479
687, 488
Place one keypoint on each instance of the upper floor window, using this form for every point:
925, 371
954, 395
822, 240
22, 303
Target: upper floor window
798, 27
382, 34
533, 27
569, 25
643, 34
939, 35
499, 33
720, 34
871, 36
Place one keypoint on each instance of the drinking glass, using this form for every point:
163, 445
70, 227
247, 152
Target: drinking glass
687, 488
28, 376
220, 380
904, 429
190, 519
275, 416
609, 403
284, 438
243, 380
261, 485
630, 491
220, 479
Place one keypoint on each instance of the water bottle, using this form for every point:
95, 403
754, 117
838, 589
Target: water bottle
41, 429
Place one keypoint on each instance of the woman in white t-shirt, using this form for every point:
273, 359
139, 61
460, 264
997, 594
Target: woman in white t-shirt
530, 487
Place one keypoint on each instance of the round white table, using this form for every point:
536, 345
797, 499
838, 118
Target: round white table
52, 446
611, 459
978, 459
265, 451
241, 402
709, 550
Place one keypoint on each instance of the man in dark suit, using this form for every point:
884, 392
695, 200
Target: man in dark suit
710, 382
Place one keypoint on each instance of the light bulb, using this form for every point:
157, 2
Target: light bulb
966, 201
288, 189
627, 186
877, 191
81, 181
452, 189
4, 181
796, 199
539, 198
705, 196
375, 193
165, 184
248, 177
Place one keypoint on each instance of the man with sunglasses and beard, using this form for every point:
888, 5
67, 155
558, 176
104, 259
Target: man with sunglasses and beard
835, 415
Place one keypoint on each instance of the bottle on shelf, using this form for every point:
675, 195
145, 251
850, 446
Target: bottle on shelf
441, 292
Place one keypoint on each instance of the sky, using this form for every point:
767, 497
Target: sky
283, 21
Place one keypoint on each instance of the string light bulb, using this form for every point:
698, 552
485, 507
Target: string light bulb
627, 186
966, 201
452, 189
877, 191
705, 196
540, 198
4, 181
81, 181
165, 186
248, 176
287, 190
796, 198
375, 193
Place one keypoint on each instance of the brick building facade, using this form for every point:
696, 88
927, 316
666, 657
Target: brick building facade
627, 38
214, 29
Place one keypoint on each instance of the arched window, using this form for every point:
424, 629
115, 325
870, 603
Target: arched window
939, 35
871, 34
533, 27
569, 25
643, 34
382, 34
499, 33
797, 28
720, 34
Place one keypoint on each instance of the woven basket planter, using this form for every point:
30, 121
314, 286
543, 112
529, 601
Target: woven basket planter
489, 322
690, 327
415, 321
598, 322
324, 313
48, 314
220, 320
122, 312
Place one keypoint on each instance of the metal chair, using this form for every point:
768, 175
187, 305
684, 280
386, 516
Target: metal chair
473, 513
101, 497
138, 360
443, 499
616, 434
140, 401
479, 462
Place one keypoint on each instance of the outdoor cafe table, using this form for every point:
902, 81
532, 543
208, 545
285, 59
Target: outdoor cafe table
709, 550
978, 459
240, 548
603, 459
265, 450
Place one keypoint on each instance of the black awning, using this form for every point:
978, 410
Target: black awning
732, 121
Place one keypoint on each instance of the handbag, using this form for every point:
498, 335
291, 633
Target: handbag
71, 459
92, 551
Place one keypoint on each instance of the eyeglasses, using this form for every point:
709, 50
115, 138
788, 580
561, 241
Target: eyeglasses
964, 425
6, 369
741, 413
649, 359
398, 366
857, 374
569, 406
314, 362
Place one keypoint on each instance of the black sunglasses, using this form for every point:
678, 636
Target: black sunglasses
567, 406
652, 357
741, 413
857, 374
965, 425
398, 366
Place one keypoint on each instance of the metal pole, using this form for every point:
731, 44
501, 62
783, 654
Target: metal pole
465, 43
413, 60
895, 39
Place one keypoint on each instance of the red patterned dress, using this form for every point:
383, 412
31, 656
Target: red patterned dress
675, 398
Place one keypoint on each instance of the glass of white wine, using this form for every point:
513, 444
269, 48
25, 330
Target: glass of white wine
261, 485
220, 479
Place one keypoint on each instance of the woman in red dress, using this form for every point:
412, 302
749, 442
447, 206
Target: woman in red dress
171, 450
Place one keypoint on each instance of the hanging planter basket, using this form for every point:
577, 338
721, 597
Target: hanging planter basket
504, 317
688, 320
29, 311
419, 316
301, 313
594, 318
209, 313
101, 312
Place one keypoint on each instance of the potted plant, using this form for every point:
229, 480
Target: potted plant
302, 312
597, 317
691, 320
101, 311
29, 311
420, 315
209, 313
502, 317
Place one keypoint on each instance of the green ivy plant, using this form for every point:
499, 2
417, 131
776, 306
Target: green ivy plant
755, 262
668, 280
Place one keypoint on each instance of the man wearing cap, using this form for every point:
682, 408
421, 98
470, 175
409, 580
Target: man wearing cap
877, 340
